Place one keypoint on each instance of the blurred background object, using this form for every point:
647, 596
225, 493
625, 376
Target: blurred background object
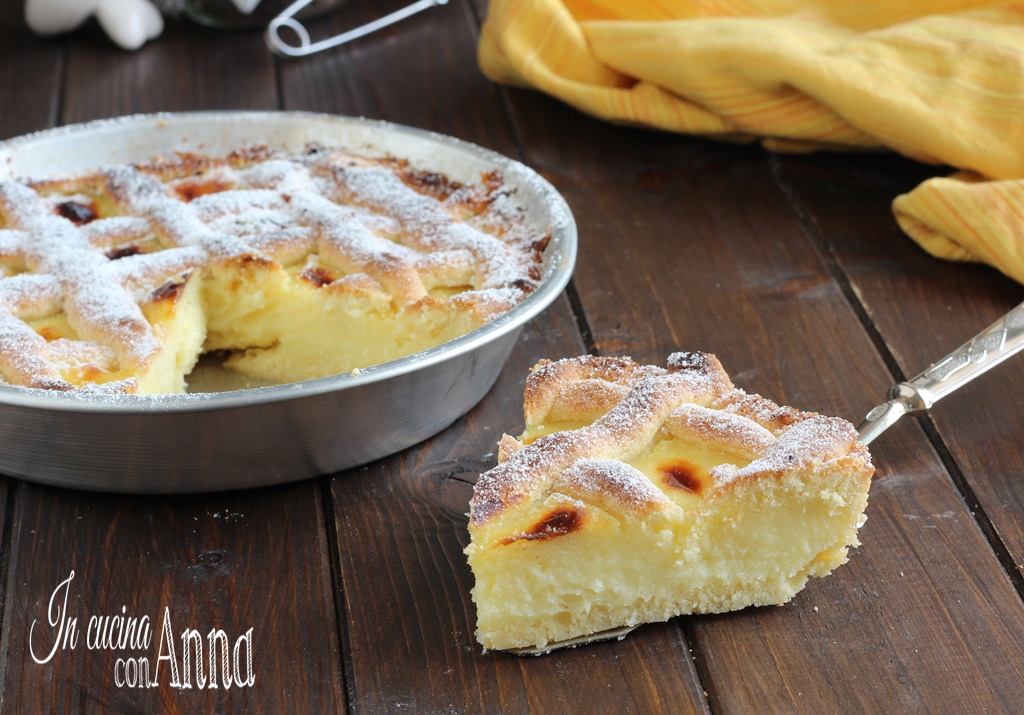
249, 14
129, 23
132, 23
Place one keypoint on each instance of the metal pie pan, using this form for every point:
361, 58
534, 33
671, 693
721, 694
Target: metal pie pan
269, 435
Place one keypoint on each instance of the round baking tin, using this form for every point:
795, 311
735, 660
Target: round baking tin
282, 433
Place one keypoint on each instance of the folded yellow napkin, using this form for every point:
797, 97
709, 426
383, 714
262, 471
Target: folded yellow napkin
940, 81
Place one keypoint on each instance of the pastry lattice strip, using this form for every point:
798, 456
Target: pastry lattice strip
627, 406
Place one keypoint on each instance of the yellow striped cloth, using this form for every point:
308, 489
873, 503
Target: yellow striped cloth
940, 81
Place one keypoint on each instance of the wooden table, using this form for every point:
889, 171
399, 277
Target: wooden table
790, 268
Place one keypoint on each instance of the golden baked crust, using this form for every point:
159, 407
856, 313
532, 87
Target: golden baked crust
707, 497
117, 280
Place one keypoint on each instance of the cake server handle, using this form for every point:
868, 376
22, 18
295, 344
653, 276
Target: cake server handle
279, 46
999, 341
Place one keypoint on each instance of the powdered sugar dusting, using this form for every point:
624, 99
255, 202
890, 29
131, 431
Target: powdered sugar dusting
693, 400
96, 306
31, 296
816, 439
25, 359
351, 246
11, 245
180, 216
726, 431
620, 434
616, 486
547, 380
106, 232
428, 227
766, 413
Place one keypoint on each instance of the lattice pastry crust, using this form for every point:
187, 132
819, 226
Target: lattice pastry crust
302, 265
639, 493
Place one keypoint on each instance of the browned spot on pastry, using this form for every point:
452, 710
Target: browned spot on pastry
492, 180
680, 474
123, 252
49, 333
522, 284
427, 182
701, 363
76, 212
182, 164
317, 276
541, 243
251, 155
170, 290
45, 382
766, 413
194, 188
560, 522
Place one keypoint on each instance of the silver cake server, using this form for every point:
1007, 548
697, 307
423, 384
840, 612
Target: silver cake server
999, 341
610, 634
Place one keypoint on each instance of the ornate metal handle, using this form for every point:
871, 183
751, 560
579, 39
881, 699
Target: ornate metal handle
996, 343
306, 46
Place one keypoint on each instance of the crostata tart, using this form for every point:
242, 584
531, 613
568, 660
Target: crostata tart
295, 266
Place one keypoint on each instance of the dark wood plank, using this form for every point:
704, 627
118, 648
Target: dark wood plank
923, 309
686, 244
401, 524
30, 71
251, 560
233, 561
187, 68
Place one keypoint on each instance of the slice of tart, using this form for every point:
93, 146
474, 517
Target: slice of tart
638, 493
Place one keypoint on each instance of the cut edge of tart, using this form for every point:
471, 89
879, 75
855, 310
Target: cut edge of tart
638, 493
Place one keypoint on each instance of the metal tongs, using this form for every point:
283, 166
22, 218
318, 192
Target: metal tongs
999, 341
306, 46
